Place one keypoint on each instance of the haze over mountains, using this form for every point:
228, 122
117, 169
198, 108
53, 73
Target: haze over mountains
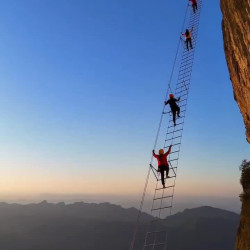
105, 226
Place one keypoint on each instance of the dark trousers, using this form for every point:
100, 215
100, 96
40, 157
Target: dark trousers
194, 5
174, 111
162, 169
189, 41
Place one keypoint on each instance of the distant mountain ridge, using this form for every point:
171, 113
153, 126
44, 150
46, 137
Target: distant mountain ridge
102, 211
206, 212
83, 226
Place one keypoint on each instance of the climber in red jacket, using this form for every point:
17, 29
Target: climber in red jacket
194, 5
163, 163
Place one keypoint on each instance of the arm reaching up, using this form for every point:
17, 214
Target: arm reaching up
154, 153
169, 150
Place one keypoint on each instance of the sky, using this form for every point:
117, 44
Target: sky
81, 92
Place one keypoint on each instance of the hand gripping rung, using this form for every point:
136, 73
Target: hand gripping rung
173, 145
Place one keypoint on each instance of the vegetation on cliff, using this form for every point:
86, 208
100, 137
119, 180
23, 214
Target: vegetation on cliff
245, 176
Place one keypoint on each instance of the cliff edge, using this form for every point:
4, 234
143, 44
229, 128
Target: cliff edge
235, 26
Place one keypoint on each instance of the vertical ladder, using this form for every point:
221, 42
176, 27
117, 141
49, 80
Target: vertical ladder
156, 237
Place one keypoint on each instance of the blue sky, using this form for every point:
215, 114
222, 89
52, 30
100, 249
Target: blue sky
82, 87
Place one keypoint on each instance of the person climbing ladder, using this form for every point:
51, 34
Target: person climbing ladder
163, 163
174, 107
194, 5
187, 35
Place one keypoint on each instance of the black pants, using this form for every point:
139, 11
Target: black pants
174, 111
162, 169
189, 41
194, 5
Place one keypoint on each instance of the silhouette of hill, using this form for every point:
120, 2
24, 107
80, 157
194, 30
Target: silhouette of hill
83, 226
205, 228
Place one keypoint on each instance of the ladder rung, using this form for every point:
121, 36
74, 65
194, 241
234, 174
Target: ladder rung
183, 100
174, 152
194, 19
189, 52
172, 168
160, 208
170, 177
176, 125
174, 132
156, 232
168, 196
186, 60
164, 188
156, 244
188, 57
184, 105
175, 137
185, 69
176, 159
181, 91
185, 65
183, 95
183, 86
184, 77
170, 112
182, 83
173, 145
184, 74
194, 22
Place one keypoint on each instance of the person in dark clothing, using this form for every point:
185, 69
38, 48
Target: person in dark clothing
163, 163
175, 109
194, 5
187, 35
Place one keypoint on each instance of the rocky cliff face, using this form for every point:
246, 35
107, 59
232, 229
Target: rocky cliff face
236, 34
243, 235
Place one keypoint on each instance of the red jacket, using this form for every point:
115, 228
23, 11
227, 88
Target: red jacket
162, 159
193, 1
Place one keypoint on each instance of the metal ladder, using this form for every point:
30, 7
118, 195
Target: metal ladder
156, 237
